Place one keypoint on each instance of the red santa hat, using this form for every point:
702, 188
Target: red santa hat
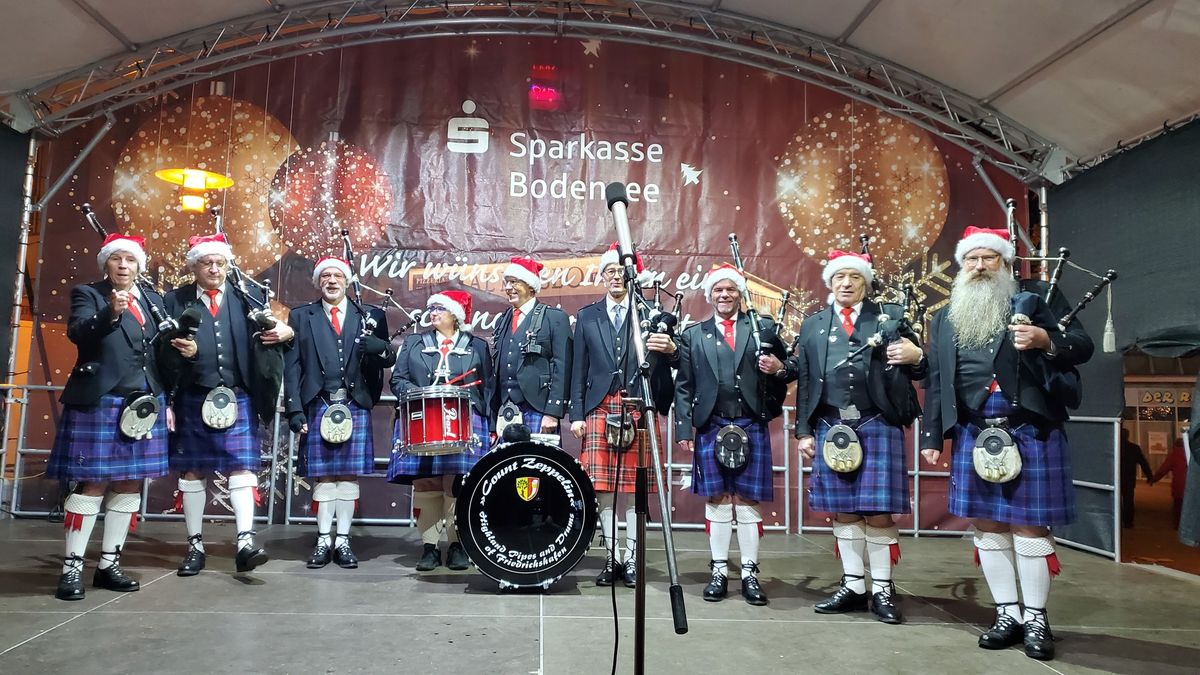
723, 273
527, 270
979, 237
122, 243
330, 262
457, 303
208, 244
843, 260
613, 257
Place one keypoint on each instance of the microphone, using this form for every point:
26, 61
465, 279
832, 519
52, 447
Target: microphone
618, 200
189, 322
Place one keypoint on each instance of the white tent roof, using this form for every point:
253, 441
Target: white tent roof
1083, 74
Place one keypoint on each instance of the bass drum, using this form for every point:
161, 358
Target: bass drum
526, 514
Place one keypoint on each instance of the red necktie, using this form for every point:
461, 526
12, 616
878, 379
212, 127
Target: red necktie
135, 312
515, 321
333, 319
212, 299
847, 324
729, 338
445, 349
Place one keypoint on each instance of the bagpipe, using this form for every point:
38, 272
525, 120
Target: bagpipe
767, 340
356, 284
366, 338
1035, 305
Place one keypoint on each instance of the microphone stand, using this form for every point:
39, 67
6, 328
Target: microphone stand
617, 201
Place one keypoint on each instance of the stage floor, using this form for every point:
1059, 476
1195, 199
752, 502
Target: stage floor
384, 617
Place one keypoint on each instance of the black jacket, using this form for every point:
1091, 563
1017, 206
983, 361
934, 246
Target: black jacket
315, 352
108, 351
594, 365
1045, 382
419, 359
544, 377
890, 390
696, 383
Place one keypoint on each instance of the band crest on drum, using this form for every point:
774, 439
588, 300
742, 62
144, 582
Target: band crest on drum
527, 487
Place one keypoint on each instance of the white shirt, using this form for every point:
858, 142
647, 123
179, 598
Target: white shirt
341, 308
212, 303
525, 309
837, 309
721, 325
609, 305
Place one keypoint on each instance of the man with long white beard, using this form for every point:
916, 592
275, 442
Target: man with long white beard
1000, 383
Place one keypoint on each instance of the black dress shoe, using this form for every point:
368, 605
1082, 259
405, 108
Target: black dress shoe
610, 573
321, 554
629, 573
456, 558
718, 586
1039, 641
844, 600
751, 591
883, 606
431, 558
193, 562
249, 557
70, 584
344, 556
1005, 631
113, 577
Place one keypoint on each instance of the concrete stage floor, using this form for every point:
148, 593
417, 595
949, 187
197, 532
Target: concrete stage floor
384, 617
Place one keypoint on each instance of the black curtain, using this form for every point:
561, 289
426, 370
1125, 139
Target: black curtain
14, 149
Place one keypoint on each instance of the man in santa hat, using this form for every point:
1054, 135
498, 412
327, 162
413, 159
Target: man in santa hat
605, 369
111, 325
997, 376
726, 393
865, 399
532, 344
217, 428
335, 365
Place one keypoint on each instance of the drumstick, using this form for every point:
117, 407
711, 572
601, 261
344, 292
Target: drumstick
459, 377
470, 384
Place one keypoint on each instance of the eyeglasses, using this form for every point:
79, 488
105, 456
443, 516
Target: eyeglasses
973, 261
436, 308
611, 274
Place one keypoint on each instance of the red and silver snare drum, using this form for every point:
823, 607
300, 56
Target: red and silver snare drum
435, 421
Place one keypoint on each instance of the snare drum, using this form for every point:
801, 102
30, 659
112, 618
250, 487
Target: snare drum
435, 421
526, 514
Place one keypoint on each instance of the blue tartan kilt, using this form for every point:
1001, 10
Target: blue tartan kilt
1041, 495
404, 468
754, 481
880, 485
196, 447
89, 446
355, 457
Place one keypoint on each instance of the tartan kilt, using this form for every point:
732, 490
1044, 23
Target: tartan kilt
755, 481
355, 457
196, 447
600, 462
880, 485
1041, 495
404, 468
89, 447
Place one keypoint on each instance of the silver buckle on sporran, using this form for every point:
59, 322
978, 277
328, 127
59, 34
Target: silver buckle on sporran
842, 450
996, 457
733, 447
337, 424
509, 414
139, 415
619, 430
220, 408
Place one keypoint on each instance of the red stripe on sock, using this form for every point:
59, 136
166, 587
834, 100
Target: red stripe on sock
316, 505
73, 521
707, 527
257, 497
977, 563
895, 549
133, 522
837, 551
179, 501
760, 529
1052, 564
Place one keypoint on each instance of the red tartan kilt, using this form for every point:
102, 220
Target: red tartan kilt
601, 463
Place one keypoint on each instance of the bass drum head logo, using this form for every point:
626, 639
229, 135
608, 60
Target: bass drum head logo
527, 487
